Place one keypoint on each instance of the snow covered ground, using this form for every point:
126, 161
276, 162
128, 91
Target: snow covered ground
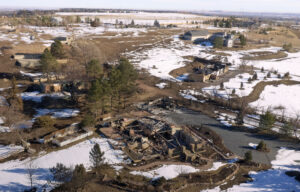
160, 60
216, 166
13, 174
167, 171
274, 179
37, 96
57, 113
279, 99
235, 83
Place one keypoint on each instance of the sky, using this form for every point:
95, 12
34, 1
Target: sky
282, 6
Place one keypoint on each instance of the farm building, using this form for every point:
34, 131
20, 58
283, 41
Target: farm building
196, 35
27, 60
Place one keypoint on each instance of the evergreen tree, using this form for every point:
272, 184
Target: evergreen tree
269, 75
233, 92
57, 50
242, 85
48, 62
96, 156
222, 86
156, 23
254, 77
78, 19
267, 120
132, 22
218, 42
14, 100
94, 69
243, 40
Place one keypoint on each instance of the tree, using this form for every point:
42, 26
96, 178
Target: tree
14, 100
267, 120
61, 173
222, 86
96, 156
254, 77
156, 24
243, 40
218, 42
78, 176
248, 157
48, 63
88, 120
94, 69
287, 128
57, 50
132, 22
269, 74
95, 23
78, 19
31, 170
242, 85
233, 92
43, 122
262, 69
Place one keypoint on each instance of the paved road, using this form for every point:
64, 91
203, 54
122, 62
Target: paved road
236, 141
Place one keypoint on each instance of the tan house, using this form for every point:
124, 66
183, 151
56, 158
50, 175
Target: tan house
65, 40
196, 35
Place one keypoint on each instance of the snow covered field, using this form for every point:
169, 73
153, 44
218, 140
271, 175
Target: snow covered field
167, 171
235, 83
274, 179
280, 99
160, 60
13, 174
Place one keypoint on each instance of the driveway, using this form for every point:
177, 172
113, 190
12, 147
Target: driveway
236, 141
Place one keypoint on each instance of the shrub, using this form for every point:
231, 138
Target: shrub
268, 75
287, 47
248, 157
242, 85
267, 120
44, 122
287, 128
262, 146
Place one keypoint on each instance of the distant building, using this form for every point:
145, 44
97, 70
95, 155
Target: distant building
196, 35
27, 60
65, 40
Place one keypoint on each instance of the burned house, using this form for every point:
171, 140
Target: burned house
147, 139
209, 70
